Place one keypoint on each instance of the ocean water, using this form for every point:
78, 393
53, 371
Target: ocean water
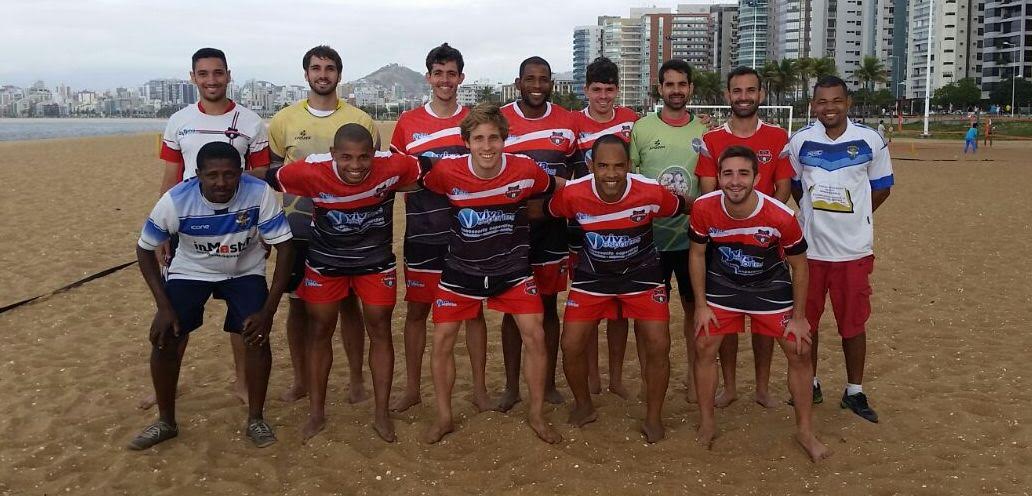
35, 129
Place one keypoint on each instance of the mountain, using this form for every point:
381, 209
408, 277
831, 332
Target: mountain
413, 84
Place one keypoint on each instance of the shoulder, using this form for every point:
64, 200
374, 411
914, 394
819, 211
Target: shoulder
714, 134
773, 130
626, 114
318, 158
182, 116
779, 209
707, 203
288, 112
801, 134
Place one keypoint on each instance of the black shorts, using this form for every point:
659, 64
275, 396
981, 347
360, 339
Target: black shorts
480, 286
297, 271
425, 256
676, 263
244, 297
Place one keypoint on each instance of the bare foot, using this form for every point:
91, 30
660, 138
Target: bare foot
293, 393
357, 393
619, 390
554, 397
816, 449
482, 402
704, 436
725, 398
594, 385
384, 427
240, 391
405, 401
582, 415
437, 431
508, 400
765, 400
653, 432
313, 426
544, 431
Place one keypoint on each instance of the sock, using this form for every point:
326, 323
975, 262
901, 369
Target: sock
816, 382
852, 389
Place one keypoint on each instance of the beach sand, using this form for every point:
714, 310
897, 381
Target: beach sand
947, 352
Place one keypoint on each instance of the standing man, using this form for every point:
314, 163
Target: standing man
774, 178
302, 129
214, 118
602, 117
971, 139
665, 146
843, 173
432, 132
545, 133
220, 217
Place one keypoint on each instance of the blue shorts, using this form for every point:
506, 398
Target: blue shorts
244, 297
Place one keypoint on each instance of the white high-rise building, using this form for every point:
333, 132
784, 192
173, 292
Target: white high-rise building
1007, 46
587, 46
753, 30
956, 37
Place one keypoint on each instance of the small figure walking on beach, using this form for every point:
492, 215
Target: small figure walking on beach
971, 138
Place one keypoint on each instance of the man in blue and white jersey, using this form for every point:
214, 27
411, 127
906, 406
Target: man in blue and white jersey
221, 218
843, 173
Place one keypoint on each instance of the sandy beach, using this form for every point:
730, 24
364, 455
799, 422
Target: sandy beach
947, 350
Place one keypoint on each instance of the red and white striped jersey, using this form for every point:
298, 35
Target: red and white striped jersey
769, 144
190, 128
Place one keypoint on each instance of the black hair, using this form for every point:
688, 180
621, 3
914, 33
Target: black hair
678, 65
609, 139
208, 53
535, 60
353, 133
442, 55
322, 52
744, 71
830, 82
602, 70
739, 151
217, 150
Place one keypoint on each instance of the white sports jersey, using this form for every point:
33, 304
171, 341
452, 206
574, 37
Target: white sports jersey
190, 128
217, 241
837, 177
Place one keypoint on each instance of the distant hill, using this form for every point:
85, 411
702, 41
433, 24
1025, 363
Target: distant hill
413, 83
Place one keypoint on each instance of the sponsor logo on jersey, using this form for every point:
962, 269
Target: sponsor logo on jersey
513, 191
412, 283
312, 283
302, 136
219, 249
638, 215
853, 151
697, 145
419, 136
242, 218
440, 302
625, 131
677, 180
657, 145
547, 167
571, 303
765, 156
741, 263
612, 241
470, 218
659, 295
558, 139
583, 217
458, 192
390, 279
814, 153
764, 236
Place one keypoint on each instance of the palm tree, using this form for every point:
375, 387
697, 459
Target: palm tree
869, 72
707, 87
824, 66
772, 79
805, 70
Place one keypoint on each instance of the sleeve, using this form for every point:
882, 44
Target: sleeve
294, 178
398, 137
435, 181
669, 203
698, 230
791, 236
409, 168
783, 166
258, 149
161, 224
170, 149
879, 172
543, 182
272, 222
793, 160
635, 150
707, 164
556, 206
373, 130
278, 135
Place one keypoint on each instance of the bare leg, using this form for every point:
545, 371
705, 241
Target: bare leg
381, 362
476, 345
728, 365
594, 377
530, 326
442, 362
322, 322
616, 339
415, 345
297, 319
352, 336
258, 365
550, 324
512, 351
656, 339
706, 386
800, 380
855, 349
689, 343
763, 351
165, 364
576, 341
151, 399
239, 369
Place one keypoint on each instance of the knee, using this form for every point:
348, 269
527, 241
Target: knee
573, 343
379, 331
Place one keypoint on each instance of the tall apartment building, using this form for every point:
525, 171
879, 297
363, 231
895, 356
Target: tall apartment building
900, 55
1007, 43
956, 43
686, 35
724, 21
587, 46
753, 33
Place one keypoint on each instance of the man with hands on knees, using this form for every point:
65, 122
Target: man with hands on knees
221, 217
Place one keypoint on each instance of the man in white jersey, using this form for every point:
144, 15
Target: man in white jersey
214, 118
222, 220
842, 175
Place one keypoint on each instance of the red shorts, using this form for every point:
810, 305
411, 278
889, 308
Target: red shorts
572, 264
551, 277
379, 288
764, 324
421, 285
646, 305
450, 306
850, 288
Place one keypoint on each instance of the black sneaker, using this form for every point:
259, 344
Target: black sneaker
260, 433
818, 396
153, 434
858, 404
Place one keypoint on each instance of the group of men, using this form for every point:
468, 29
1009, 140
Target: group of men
512, 206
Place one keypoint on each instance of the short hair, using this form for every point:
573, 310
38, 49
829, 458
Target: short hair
739, 151
442, 55
535, 60
602, 70
678, 65
322, 52
974, 124
208, 53
484, 113
609, 139
353, 133
217, 150
830, 82
743, 71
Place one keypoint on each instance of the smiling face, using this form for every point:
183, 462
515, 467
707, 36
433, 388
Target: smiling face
736, 179
675, 90
354, 160
744, 94
610, 166
219, 179
485, 145
444, 80
211, 77
535, 85
322, 75
601, 97
831, 105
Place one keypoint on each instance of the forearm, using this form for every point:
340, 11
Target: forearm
783, 190
697, 272
797, 193
800, 284
280, 276
152, 276
878, 197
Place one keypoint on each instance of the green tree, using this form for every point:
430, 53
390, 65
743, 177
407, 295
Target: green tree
805, 69
569, 101
779, 77
960, 94
487, 94
869, 72
1001, 93
708, 90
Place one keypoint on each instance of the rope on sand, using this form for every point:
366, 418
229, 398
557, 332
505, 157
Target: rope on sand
73, 285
